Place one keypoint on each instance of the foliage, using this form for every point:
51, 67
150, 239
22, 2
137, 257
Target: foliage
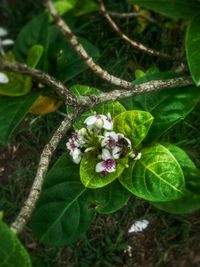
72, 195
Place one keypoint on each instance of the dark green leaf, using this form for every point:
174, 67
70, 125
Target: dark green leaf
171, 8
33, 33
193, 48
65, 63
190, 202
157, 176
134, 125
12, 253
64, 211
168, 107
12, 112
111, 198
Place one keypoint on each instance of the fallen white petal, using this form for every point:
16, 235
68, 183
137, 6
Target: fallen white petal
138, 226
3, 32
3, 78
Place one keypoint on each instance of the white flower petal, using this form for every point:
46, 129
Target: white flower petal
116, 152
100, 167
138, 226
3, 32
3, 78
108, 125
90, 120
106, 154
139, 155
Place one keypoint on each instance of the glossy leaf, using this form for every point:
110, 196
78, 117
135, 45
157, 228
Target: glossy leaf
190, 202
134, 125
111, 197
64, 211
193, 48
64, 61
191, 198
12, 112
171, 8
12, 253
35, 32
168, 107
91, 179
157, 176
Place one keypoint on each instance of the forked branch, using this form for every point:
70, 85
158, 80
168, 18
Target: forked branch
129, 41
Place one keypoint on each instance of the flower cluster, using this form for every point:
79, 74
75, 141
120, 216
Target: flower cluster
4, 42
107, 145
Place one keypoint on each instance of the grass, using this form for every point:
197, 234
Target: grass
169, 240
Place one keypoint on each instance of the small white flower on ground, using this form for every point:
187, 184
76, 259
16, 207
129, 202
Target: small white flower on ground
128, 250
3, 78
4, 42
138, 226
108, 164
99, 121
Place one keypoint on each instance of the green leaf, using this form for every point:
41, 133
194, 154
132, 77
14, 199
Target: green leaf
64, 62
168, 107
114, 108
33, 33
63, 6
171, 8
34, 55
191, 173
84, 7
12, 253
12, 112
64, 211
157, 176
190, 202
193, 48
111, 198
91, 179
134, 125
191, 198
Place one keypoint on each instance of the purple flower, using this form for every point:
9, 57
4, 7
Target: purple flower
108, 164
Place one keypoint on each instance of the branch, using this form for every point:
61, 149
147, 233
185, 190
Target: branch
71, 37
131, 15
68, 97
123, 36
145, 88
91, 101
29, 205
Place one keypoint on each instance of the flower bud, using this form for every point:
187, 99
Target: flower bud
99, 123
83, 131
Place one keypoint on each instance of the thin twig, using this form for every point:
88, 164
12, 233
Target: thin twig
131, 15
71, 37
131, 42
29, 205
68, 97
